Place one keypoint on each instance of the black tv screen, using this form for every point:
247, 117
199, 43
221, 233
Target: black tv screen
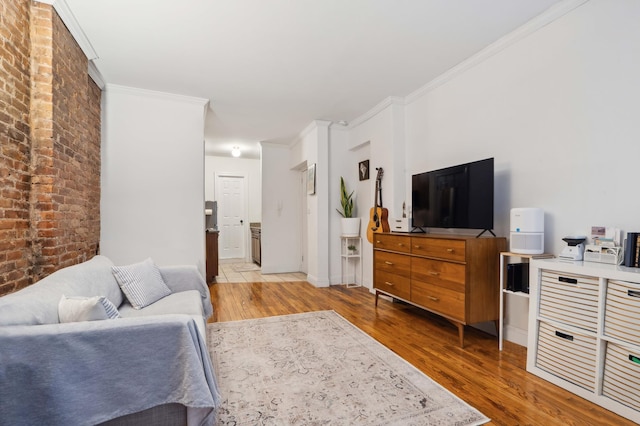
454, 197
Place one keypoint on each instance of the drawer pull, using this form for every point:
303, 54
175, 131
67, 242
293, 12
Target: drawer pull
633, 293
435, 274
450, 250
388, 263
388, 283
378, 242
634, 358
564, 336
435, 299
400, 244
568, 280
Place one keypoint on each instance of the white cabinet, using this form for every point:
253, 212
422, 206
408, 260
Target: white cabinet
350, 253
583, 333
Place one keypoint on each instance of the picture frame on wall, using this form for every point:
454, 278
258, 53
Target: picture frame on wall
311, 179
363, 170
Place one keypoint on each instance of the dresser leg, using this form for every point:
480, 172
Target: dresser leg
377, 298
461, 334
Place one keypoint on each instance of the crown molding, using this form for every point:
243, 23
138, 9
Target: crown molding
96, 76
126, 90
391, 100
553, 13
67, 16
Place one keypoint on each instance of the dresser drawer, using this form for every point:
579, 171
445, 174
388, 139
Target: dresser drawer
571, 299
392, 242
622, 311
439, 248
394, 284
393, 263
444, 274
621, 381
568, 355
438, 299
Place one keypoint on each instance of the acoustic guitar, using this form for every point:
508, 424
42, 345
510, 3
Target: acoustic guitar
379, 216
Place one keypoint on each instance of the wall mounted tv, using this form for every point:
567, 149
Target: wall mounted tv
454, 197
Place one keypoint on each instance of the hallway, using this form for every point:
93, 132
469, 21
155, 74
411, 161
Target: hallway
239, 271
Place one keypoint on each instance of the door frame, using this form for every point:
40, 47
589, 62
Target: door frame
246, 235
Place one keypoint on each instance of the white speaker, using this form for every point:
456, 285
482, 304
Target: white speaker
527, 230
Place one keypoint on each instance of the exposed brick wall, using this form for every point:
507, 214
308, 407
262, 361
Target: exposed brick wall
15, 145
53, 220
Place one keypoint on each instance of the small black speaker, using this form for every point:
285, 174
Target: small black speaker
518, 277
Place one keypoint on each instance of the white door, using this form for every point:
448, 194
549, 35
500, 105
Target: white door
230, 194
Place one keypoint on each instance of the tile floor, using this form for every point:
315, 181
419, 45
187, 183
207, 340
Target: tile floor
239, 271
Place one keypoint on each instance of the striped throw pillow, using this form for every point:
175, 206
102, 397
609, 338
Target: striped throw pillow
141, 283
74, 309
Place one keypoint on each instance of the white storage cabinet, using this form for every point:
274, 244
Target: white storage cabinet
583, 333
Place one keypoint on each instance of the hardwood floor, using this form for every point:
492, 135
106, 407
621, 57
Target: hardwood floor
494, 382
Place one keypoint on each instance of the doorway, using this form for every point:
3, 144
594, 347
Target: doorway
231, 197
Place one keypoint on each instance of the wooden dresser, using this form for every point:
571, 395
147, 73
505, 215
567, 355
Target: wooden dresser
455, 276
212, 256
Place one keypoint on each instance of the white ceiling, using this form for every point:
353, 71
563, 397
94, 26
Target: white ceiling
270, 67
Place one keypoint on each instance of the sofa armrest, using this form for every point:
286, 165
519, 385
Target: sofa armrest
91, 372
182, 278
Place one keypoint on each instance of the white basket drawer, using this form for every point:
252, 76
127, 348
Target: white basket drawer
621, 381
622, 311
571, 299
568, 355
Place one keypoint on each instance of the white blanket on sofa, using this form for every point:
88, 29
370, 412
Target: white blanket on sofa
83, 374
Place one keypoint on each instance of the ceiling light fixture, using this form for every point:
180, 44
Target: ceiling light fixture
235, 152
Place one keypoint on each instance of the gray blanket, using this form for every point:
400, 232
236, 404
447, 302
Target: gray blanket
87, 373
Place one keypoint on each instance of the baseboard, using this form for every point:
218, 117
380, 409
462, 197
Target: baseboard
516, 335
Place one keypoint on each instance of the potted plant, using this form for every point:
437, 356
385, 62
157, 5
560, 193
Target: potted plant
350, 225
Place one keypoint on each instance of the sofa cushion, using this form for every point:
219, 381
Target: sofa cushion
74, 309
184, 302
141, 283
38, 303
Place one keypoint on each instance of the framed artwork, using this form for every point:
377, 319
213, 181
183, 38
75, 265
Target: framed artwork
363, 170
311, 179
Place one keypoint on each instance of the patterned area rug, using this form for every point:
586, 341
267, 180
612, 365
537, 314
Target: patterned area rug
317, 368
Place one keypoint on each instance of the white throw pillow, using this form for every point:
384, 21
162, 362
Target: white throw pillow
73, 309
141, 282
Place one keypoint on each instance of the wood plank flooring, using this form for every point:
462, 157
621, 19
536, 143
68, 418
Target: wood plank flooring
494, 382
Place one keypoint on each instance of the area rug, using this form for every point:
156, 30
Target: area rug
318, 369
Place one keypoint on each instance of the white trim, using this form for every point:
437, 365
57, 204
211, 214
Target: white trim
126, 90
516, 335
553, 13
391, 100
67, 16
96, 76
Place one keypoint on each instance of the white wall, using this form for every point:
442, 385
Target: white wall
152, 199
280, 211
312, 147
559, 112
379, 137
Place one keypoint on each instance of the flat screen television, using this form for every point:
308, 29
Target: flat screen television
454, 197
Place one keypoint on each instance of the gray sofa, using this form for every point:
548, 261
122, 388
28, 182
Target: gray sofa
150, 366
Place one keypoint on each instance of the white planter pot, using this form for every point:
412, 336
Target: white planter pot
350, 226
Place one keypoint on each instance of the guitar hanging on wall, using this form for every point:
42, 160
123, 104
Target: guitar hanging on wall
379, 216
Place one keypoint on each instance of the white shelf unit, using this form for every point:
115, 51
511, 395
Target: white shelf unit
583, 333
350, 258
504, 261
